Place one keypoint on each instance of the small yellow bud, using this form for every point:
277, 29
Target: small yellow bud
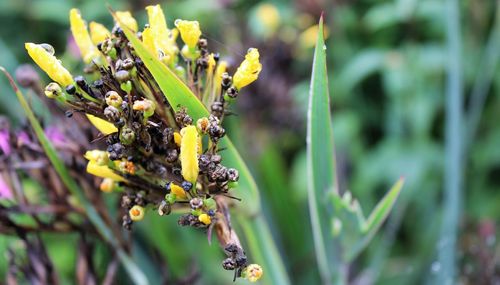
178, 191
107, 185
252, 272
177, 139
98, 33
136, 213
189, 153
249, 69
204, 218
49, 63
190, 32
103, 126
81, 35
102, 171
126, 18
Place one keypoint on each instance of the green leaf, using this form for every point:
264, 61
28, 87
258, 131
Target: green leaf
257, 234
321, 162
355, 232
133, 270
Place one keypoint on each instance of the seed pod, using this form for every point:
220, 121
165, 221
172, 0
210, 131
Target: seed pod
127, 136
232, 174
114, 99
164, 208
122, 76
112, 113
196, 203
228, 264
53, 90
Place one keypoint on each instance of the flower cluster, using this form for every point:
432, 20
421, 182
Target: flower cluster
157, 158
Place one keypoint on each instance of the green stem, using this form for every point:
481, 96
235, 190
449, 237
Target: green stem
453, 148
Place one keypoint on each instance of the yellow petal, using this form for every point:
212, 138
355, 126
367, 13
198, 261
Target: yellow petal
149, 41
177, 139
164, 39
221, 68
98, 33
81, 35
249, 69
190, 32
49, 64
178, 191
189, 153
127, 19
102, 171
204, 218
103, 126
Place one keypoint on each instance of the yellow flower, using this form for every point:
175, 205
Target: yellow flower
98, 156
189, 153
126, 18
49, 64
98, 33
190, 32
249, 69
107, 185
82, 38
159, 36
204, 218
211, 63
103, 126
148, 39
252, 272
102, 171
178, 191
136, 213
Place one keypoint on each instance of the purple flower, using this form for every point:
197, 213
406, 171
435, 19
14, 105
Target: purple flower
5, 142
5, 192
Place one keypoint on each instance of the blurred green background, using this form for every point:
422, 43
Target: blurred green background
387, 73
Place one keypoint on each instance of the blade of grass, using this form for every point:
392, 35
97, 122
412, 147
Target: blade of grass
453, 148
257, 234
133, 270
321, 164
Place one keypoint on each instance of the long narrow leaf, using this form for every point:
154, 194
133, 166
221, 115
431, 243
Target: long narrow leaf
133, 270
256, 230
320, 160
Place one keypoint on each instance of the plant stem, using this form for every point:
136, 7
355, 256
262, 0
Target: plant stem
453, 148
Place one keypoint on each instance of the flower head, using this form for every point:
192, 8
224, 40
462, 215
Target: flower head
249, 69
49, 63
82, 38
190, 32
189, 153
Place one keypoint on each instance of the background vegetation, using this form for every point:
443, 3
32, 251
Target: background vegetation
388, 67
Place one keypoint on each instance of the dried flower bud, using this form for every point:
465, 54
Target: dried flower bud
127, 136
228, 264
112, 113
122, 76
164, 208
252, 272
146, 106
202, 125
232, 174
196, 203
136, 213
114, 99
107, 185
53, 90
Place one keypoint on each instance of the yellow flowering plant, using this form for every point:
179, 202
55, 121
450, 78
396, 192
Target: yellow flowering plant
159, 155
